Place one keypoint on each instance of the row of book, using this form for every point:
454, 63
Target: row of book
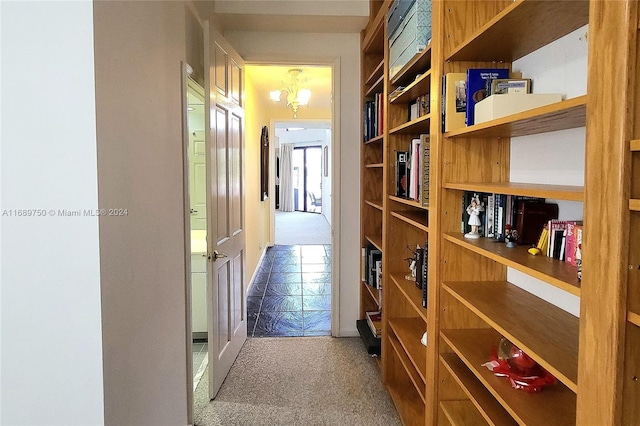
562, 240
421, 268
462, 91
412, 171
372, 266
373, 117
420, 107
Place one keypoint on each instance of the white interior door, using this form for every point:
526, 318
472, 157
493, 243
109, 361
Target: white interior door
226, 282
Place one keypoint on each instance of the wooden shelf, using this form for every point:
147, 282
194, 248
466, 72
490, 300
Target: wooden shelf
374, 166
376, 74
417, 65
373, 41
408, 202
633, 318
377, 87
462, 413
420, 86
373, 292
634, 204
413, 218
374, 140
555, 272
410, 406
488, 407
409, 332
522, 28
376, 204
419, 125
555, 405
546, 333
556, 192
375, 240
568, 114
411, 292
412, 373
635, 145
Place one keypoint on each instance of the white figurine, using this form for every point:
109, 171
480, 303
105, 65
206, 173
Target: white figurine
474, 210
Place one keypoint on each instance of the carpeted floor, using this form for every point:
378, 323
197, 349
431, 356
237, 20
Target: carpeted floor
298, 381
296, 228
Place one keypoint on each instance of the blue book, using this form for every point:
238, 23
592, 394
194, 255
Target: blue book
477, 81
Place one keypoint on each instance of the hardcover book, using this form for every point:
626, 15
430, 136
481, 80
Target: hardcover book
478, 79
454, 101
425, 144
402, 179
531, 216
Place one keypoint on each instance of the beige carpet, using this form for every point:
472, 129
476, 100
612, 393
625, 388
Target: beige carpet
294, 228
299, 381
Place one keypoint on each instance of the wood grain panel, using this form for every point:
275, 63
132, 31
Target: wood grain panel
483, 401
555, 405
634, 204
555, 272
416, 65
376, 74
521, 28
631, 378
546, 333
635, 145
420, 86
409, 332
407, 202
413, 218
462, 413
475, 160
603, 304
412, 373
404, 395
236, 176
221, 172
454, 315
220, 72
405, 239
567, 114
417, 126
455, 259
412, 293
376, 87
633, 277
558, 192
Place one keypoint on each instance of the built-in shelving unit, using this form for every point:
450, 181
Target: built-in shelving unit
480, 291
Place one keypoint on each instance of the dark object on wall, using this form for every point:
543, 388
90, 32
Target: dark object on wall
264, 164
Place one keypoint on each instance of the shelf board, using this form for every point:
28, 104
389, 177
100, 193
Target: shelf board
376, 87
568, 114
420, 86
408, 202
409, 405
374, 140
462, 413
633, 318
634, 204
488, 407
375, 240
413, 218
545, 332
635, 145
376, 204
416, 65
373, 41
419, 125
556, 192
411, 292
376, 74
555, 405
374, 166
416, 379
522, 28
409, 332
555, 272
373, 292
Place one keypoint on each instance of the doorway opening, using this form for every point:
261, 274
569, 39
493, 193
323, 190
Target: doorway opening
307, 179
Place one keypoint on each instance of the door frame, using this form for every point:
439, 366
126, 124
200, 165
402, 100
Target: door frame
304, 176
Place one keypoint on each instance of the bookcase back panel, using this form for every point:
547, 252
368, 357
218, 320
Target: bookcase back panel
464, 18
372, 221
634, 264
448, 388
475, 160
405, 239
371, 188
452, 216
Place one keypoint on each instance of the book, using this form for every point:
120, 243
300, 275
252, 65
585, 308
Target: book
557, 238
419, 258
489, 215
425, 144
510, 86
401, 174
414, 169
578, 255
374, 256
454, 101
570, 248
531, 216
478, 79
374, 320
425, 272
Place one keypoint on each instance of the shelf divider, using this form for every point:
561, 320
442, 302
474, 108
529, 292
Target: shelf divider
557, 192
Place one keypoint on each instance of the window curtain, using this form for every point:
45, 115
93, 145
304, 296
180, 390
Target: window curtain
286, 178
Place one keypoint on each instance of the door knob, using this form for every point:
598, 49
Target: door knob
217, 255
193, 211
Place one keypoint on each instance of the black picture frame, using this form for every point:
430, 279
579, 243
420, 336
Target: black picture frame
264, 164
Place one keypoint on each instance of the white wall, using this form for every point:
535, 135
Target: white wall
555, 157
51, 369
328, 48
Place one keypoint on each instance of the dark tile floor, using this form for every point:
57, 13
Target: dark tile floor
291, 293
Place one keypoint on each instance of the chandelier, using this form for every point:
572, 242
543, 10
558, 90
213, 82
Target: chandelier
296, 96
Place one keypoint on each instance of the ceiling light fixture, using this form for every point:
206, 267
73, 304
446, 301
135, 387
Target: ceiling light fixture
296, 96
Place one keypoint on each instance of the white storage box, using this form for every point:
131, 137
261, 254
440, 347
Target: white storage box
497, 106
411, 36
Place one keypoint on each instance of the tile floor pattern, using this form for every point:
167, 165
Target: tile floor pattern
291, 292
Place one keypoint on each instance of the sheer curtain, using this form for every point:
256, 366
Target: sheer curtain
286, 178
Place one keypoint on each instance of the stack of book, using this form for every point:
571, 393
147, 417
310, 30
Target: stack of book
412, 171
373, 121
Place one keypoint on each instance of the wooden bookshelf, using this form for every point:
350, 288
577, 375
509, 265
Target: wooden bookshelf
412, 294
462, 413
419, 87
414, 218
634, 204
634, 318
376, 204
416, 380
556, 192
419, 125
409, 332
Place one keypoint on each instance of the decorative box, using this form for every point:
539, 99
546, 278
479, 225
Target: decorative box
409, 23
497, 106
